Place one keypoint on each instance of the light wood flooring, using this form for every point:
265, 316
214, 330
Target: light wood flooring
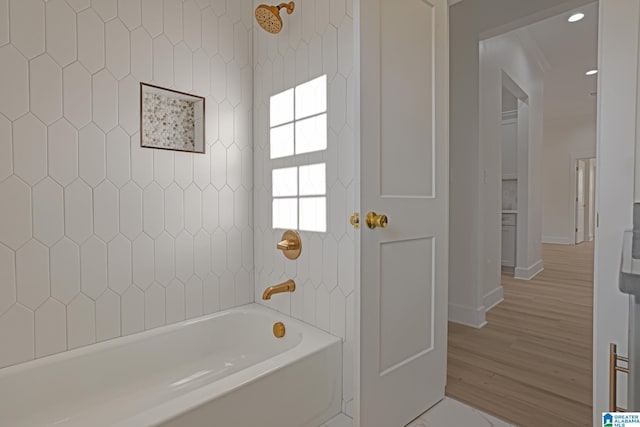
531, 364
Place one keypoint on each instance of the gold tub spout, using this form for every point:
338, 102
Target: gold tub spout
288, 286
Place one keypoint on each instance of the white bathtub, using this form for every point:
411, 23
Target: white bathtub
225, 369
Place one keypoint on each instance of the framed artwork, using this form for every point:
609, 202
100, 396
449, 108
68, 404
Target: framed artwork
171, 120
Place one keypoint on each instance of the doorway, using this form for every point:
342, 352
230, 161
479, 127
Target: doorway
585, 171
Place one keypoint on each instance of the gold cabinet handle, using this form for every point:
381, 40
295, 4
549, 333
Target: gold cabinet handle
374, 220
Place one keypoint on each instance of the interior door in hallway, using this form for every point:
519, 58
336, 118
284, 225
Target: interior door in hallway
403, 101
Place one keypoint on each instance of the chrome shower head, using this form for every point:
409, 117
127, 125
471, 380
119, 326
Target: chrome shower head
268, 17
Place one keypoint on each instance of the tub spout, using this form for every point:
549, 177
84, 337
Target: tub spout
288, 286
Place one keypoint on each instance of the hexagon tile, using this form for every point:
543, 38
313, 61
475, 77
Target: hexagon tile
105, 238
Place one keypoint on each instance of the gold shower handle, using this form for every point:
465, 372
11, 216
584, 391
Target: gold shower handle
374, 220
288, 6
290, 244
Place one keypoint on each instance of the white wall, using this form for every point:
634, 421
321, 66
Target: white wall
101, 238
316, 39
565, 140
616, 147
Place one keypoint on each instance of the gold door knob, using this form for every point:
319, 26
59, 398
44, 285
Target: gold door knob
374, 220
354, 220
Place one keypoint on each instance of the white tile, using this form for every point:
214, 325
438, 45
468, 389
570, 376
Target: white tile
340, 420
174, 210
345, 265
173, 20
219, 6
143, 261
225, 38
209, 31
45, 89
218, 165
330, 263
130, 12
193, 209
78, 208
154, 306
211, 294
234, 250
184, 256
141, 163
323, 309
163, 167
4, 22
105, 100
309, 303
27, 27
350, 317
79, 5
337, 103
29, 149
65, 271
202, 171
219, 252
227, 291
218, 78
32, 274
117, 48
77, 94
62, 148
92, 155
192, 25
7, 279
201, 73
90, 40
241, 45
130, 210
244, 288
118, 157
194, 298
345, 47
107, 316
129, 105
152, 16
119, 264
61, 32
6, 149
81, 323
183, 67
234, 167
164, 248
314, 245
226, 208
93, 267
153, 209
141, 55
202, 254
17, 336
48, 212
132, 303
234, 84
51, 328
175, 302
105, 207
348, 376
210, 209
105, 8
183, 165
162, 61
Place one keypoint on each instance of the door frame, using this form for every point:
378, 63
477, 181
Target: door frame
574, 192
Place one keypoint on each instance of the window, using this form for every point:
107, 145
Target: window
298, 125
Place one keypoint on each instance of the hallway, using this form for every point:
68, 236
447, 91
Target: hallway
532, 362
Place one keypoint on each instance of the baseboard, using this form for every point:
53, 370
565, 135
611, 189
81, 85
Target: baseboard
530, 272
493, 298
557, 240
590, 238
467, 316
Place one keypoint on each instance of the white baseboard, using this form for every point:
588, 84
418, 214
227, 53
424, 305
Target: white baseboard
468, 316
530, 272
493, 298
557, 240
590, 238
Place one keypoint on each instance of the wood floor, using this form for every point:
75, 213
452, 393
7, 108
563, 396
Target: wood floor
531, 364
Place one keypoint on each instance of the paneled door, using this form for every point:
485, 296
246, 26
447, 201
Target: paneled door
402, 96
580, 201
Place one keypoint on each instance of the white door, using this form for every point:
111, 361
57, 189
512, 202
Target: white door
404, 165
580, 202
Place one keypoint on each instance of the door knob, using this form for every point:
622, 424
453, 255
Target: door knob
354, 220
374, 220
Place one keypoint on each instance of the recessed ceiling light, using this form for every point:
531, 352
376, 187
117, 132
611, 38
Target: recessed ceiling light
591, 72
576, 17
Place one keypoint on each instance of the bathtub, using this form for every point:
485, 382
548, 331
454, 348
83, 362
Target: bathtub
225, 369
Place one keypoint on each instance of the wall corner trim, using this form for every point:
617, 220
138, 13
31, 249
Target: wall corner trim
530, 272
493, 298
468, 316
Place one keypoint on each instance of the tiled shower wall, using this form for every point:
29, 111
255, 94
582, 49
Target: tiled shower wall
316, 39
99, 237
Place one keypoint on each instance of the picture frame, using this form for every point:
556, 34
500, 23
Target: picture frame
171, 120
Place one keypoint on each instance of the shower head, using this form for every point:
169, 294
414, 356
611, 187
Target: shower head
269, 16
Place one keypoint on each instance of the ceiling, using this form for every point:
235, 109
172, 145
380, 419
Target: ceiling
570, 49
